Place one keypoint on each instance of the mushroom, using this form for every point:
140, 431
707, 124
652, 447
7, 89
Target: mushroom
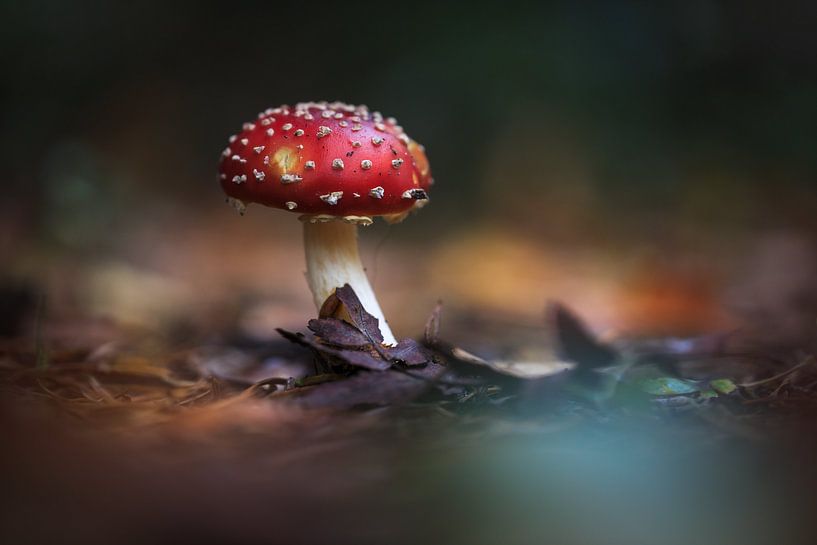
337, 165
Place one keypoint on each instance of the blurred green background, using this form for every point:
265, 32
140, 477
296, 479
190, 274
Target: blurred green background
642, 160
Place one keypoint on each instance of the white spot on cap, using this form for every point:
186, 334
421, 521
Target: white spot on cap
356, 195
323, 130
357, 127
266, 159
309, 165
266, 122
309, 117
248, 126
291, 205
258, 149
226, 152
299, 132
259, 175
222, 176
232, 138
380, 126
290, 178
365, 164
244, 141
286, 126
236, 158
396, 163
417, 194
344, 123
332, 198
326, 114
337, 164
376, 140
355, 143
377, 192
270, 132
240, 178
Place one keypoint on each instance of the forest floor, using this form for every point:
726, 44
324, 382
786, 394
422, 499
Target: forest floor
328, 436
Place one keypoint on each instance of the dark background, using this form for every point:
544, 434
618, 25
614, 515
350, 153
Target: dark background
664, 145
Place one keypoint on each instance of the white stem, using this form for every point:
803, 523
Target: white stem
332, 260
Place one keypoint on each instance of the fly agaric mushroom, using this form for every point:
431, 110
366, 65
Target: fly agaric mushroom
337, 165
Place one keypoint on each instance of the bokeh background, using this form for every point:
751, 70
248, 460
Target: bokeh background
653, 166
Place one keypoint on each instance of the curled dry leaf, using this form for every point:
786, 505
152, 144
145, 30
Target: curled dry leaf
464, 362
356, 342
574, 342
345, 303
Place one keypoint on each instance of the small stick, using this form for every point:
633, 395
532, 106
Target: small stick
803, 363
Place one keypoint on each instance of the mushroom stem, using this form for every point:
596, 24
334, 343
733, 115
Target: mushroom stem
332, 260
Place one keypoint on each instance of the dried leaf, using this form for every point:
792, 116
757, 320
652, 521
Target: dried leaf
432, 330
337, 332
359, 358
329, 308
409, 352
514, 369
465, 364
361, 319
532, 369
574, 342
356, 358
369, 389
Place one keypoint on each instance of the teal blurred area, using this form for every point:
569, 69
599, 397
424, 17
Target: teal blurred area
612, 486
427, 478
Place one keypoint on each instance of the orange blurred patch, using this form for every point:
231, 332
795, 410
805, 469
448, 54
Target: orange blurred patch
667, 299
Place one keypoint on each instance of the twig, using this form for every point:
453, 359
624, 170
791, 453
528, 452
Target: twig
778, 376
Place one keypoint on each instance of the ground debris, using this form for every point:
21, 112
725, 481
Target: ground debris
351, 368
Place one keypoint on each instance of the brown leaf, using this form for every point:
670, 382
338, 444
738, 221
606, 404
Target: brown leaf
365, 322
409, 352
356, 358
330, 307
369, 389
432, 330
337, 332
574, 342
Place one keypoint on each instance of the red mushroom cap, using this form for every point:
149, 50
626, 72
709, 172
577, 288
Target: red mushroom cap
326, 160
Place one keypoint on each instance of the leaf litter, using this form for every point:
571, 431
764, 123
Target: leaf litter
349, 367
335, 411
